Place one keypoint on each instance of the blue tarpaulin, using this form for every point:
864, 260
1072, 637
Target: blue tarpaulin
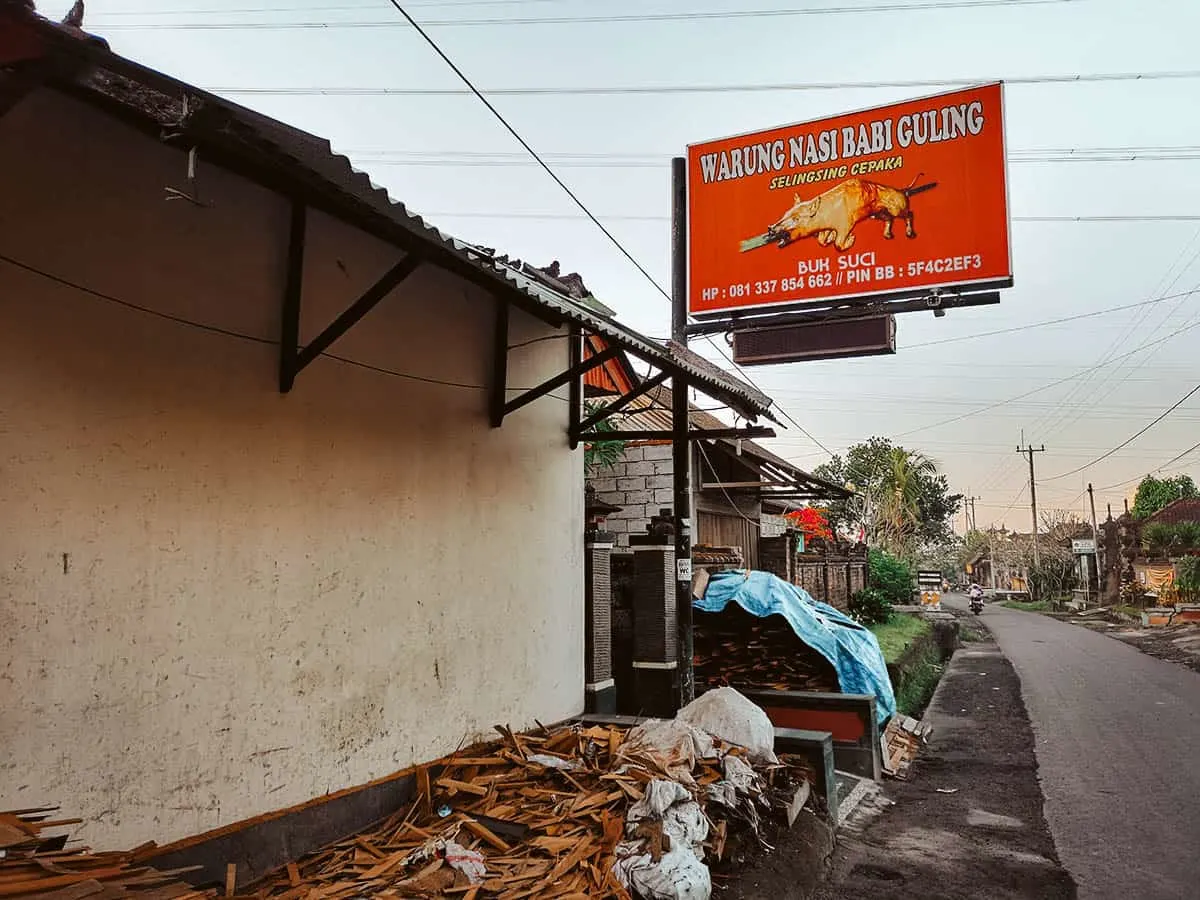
851, 649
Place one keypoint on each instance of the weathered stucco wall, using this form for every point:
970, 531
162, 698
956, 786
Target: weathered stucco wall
218, 600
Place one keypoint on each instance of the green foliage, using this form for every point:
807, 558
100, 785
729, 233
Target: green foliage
1155, 493
599, 455
919, 681
890, 575
1188, 535
1157, 536
1028, 606
1171, 537
1133, 594
1187, 578
897, 634
870, 607
900, 498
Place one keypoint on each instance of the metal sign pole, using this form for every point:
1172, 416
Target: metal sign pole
680, 447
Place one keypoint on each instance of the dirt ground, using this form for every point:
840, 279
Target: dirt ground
1178, 644
968, 823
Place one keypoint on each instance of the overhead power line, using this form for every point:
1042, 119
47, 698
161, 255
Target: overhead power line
691, 16
579, 203
1169, 462
1052, 384
483, 160
1133, 437
520, 140
764, 87
626, 217
1048, 322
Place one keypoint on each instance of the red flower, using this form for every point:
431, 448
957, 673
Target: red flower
812, 521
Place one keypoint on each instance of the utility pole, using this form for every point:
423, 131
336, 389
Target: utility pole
969, 508
681, 448
992, 557
1029, 451
1096, 540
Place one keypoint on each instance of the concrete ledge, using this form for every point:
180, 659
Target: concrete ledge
816, 749
849, 718
263, 844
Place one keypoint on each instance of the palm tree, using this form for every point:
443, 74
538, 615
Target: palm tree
896, 500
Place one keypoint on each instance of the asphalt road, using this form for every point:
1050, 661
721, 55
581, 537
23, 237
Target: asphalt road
1118, 749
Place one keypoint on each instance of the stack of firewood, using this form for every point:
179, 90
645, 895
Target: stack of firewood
34, 864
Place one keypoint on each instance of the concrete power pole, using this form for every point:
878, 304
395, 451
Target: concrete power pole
972, 522
1096, 539
1029, 451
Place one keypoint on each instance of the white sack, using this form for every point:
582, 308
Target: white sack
728, 715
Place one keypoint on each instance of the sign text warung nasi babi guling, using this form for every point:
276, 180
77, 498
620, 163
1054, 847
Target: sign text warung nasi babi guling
808, 214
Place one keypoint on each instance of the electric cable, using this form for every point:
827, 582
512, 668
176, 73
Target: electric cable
695, 15
1170, 409
227, 332
580, 204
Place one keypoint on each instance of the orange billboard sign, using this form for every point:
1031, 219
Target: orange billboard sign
899, 200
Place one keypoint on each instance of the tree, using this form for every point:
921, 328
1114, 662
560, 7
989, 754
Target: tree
901, 500
604, 454
1155, 493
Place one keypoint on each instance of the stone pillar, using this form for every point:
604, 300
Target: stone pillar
600, 690
655, 629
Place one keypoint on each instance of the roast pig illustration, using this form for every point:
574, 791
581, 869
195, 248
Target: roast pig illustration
832, 216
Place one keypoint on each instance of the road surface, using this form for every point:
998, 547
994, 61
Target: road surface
1118, 749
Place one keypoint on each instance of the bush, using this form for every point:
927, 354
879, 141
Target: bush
1187, 571
1166, 537
1187, 534
891, 576
1158, 536
870, 607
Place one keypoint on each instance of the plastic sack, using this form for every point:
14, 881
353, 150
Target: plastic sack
469, 862
683, 819
553, 762
728, 715
678, 875
677, 743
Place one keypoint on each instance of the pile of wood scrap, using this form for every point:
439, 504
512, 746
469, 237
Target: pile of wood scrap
37, 865
740, 650
900, 742
533, 815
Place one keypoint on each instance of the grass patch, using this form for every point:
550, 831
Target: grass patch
920, 680
897, 633
1029, 605
1134, 611
968, 634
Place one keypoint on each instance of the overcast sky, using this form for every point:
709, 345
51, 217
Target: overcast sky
428, 150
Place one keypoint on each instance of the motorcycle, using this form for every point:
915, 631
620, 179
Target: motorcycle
976, 603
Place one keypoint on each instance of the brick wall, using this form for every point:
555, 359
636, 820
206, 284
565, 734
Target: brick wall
838, 582
641, 483
858, 577
774, 556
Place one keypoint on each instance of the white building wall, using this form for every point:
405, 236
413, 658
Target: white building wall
218, 600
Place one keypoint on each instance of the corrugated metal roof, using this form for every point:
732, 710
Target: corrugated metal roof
290, 160
652, 412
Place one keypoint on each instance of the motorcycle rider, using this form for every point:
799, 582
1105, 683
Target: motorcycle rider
975, 594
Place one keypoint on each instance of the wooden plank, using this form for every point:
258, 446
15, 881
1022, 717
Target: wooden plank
230, 879
453, 786
484, 833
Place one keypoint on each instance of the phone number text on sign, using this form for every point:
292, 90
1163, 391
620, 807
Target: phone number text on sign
862, 269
